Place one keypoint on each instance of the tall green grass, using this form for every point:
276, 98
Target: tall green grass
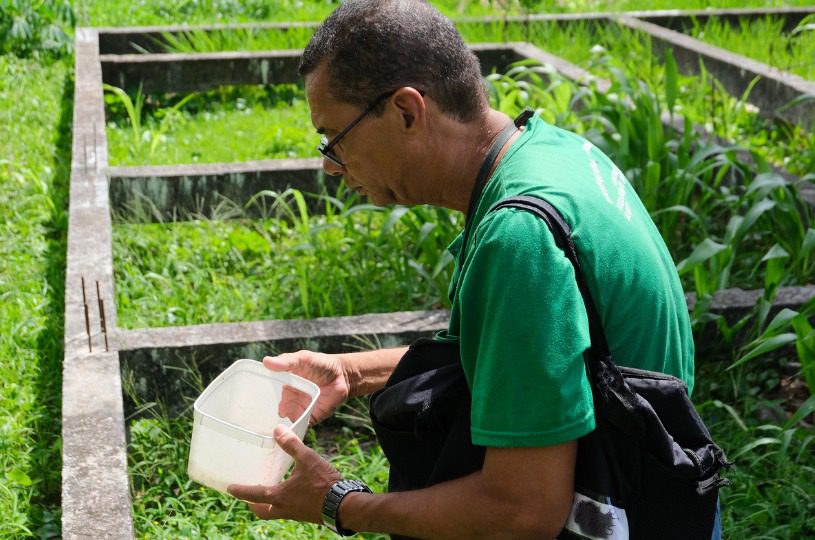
35, 116
766, 41
349, 259
728, 221
614, 52
771, 491
237, 39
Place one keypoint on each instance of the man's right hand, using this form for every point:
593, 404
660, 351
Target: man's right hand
325, 370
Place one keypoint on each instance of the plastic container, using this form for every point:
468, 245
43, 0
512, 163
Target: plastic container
234, 419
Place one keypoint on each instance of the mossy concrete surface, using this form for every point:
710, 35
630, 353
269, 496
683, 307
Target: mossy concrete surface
95, 492
174, 193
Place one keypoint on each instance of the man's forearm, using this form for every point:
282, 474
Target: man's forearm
527, 494
368, 371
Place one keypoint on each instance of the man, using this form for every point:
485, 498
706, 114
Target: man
400, 102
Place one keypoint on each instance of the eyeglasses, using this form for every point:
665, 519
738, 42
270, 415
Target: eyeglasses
326, 148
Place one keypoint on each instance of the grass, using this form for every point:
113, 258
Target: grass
166, 504
766, 41
613, 52
35, 115
353, 259
262, 123
159, 12
239, 39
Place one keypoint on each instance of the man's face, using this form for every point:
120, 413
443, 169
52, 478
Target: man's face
370, 163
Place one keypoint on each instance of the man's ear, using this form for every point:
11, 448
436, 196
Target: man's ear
411, 106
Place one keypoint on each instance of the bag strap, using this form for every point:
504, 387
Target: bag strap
486, 166
563, 238
495, 149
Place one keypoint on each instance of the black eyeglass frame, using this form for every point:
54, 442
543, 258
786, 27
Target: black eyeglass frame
326, 147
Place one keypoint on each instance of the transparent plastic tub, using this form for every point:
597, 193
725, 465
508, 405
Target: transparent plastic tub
234, 419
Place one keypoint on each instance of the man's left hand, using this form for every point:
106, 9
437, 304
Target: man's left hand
301, 496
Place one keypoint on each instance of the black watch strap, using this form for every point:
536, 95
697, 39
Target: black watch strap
332, 500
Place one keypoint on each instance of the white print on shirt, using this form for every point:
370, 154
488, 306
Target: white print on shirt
618, 182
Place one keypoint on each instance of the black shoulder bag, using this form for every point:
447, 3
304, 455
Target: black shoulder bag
649, 469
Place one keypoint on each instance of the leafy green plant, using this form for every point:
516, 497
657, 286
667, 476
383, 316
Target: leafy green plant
771, 482
141, 134
787, 328
36, 27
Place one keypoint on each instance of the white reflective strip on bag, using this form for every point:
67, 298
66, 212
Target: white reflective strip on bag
596, 520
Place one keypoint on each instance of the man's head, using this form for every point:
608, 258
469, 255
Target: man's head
370, 47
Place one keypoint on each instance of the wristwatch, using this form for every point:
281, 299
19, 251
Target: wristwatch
331, 504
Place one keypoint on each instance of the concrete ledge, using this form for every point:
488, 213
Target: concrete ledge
201, 71
159, 362
679, 19
131, 39
173, 193
734, 304
772, 93
95, 492
325, 330
176, 72
166, 363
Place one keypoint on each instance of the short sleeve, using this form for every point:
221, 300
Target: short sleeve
523, 333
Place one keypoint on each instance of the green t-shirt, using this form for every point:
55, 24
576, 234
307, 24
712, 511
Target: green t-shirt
516, 308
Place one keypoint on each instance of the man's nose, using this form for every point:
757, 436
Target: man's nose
331, 168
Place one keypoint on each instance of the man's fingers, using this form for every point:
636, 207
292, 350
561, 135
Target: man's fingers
252, 494
264, 510
290, 443
283, 362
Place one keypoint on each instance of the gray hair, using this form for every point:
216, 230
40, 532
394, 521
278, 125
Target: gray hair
375, 46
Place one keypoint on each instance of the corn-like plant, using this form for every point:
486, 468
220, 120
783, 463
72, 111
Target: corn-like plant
142, 134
